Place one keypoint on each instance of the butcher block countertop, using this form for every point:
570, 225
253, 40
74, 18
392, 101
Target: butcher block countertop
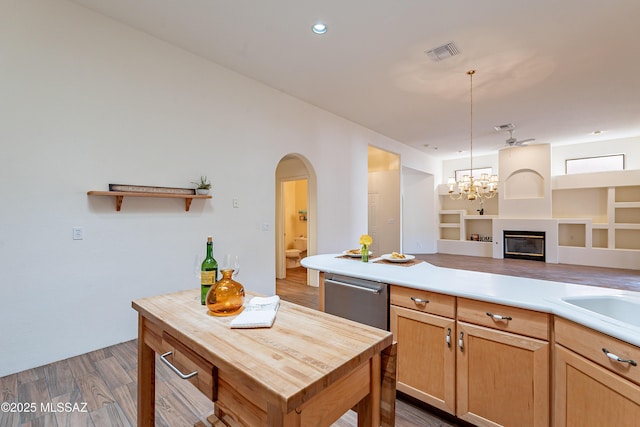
533, 294
298, 357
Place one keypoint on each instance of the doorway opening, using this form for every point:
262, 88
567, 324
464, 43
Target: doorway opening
295, 218
384, 201
295, 207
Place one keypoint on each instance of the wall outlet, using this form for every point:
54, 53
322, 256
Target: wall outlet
235, 203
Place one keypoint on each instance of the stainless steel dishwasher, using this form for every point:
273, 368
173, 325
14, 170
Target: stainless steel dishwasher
364, 301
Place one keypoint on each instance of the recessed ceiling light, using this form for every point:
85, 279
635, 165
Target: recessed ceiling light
597, 132
319, 28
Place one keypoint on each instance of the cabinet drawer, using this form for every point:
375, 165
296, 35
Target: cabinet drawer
188, 361
416, 299
590, 344
503, 317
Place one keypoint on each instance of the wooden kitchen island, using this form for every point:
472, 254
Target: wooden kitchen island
308, 369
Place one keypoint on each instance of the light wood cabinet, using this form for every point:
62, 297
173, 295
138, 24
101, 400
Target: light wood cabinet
502, 365
593, 388
489, 367
423, 325
503, 378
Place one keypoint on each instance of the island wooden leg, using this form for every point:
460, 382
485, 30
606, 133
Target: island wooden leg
276, 418
388, 391
369, 408
146, 379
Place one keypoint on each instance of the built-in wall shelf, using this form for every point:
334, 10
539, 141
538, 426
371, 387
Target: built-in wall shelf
460, 223
597, 220
120, 195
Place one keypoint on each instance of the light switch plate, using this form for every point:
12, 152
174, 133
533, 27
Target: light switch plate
78, 233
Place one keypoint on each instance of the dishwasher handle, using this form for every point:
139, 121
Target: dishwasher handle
360, 288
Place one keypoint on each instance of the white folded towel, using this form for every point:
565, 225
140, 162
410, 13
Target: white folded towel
260, 312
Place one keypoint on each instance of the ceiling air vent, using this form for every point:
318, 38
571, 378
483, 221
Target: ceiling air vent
442, 52
507, 127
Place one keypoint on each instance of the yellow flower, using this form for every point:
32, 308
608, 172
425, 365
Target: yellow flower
366, 240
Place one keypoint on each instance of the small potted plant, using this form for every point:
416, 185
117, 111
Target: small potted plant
203, 186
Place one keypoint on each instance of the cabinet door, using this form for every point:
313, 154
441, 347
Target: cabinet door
589, 395
426, 356
503, 378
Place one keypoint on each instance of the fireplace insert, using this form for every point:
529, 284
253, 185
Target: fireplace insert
524, 245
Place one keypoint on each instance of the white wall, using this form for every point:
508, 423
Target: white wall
628, 146
86, 102
525, 182
449, 167
419, 205
559, 153
384, 215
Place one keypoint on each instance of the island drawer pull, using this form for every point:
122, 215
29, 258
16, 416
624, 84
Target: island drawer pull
498, 317
174, 369
618, 359
419, 300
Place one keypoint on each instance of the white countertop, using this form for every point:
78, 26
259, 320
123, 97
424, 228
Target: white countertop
533, 294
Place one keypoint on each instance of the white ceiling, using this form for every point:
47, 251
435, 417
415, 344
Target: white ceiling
557, 69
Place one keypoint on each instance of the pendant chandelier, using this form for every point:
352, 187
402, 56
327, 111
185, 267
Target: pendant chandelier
470, 188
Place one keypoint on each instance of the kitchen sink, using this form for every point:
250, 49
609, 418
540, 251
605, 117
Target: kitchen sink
618, 307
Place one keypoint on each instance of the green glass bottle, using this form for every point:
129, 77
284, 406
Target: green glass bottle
208, 272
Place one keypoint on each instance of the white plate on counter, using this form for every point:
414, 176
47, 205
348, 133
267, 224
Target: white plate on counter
387, 257
354, 255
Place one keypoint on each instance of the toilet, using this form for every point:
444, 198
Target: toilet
298, 252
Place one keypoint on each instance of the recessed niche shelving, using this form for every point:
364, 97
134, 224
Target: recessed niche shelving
459, 220
600, 238
602, 217
597, 218
629, 193
572, 234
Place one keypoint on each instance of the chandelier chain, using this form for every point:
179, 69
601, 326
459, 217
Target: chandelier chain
468, 187
471, 73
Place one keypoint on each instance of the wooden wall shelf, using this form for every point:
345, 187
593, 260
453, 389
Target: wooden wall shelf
120, 195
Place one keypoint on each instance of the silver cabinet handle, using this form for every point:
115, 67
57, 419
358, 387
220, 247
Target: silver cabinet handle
461, 341
618, 359
176, 370
419, 300
448, 337
498, 317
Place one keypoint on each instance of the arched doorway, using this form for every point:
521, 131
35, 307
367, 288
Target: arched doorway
295, 218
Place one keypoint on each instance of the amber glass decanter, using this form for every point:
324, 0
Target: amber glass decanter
226, 297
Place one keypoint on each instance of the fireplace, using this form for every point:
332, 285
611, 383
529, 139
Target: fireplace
524, 245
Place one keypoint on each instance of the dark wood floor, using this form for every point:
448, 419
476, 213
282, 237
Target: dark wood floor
580, 274
100, 387
103, 383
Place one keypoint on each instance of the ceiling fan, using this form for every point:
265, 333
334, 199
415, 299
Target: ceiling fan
511, 141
